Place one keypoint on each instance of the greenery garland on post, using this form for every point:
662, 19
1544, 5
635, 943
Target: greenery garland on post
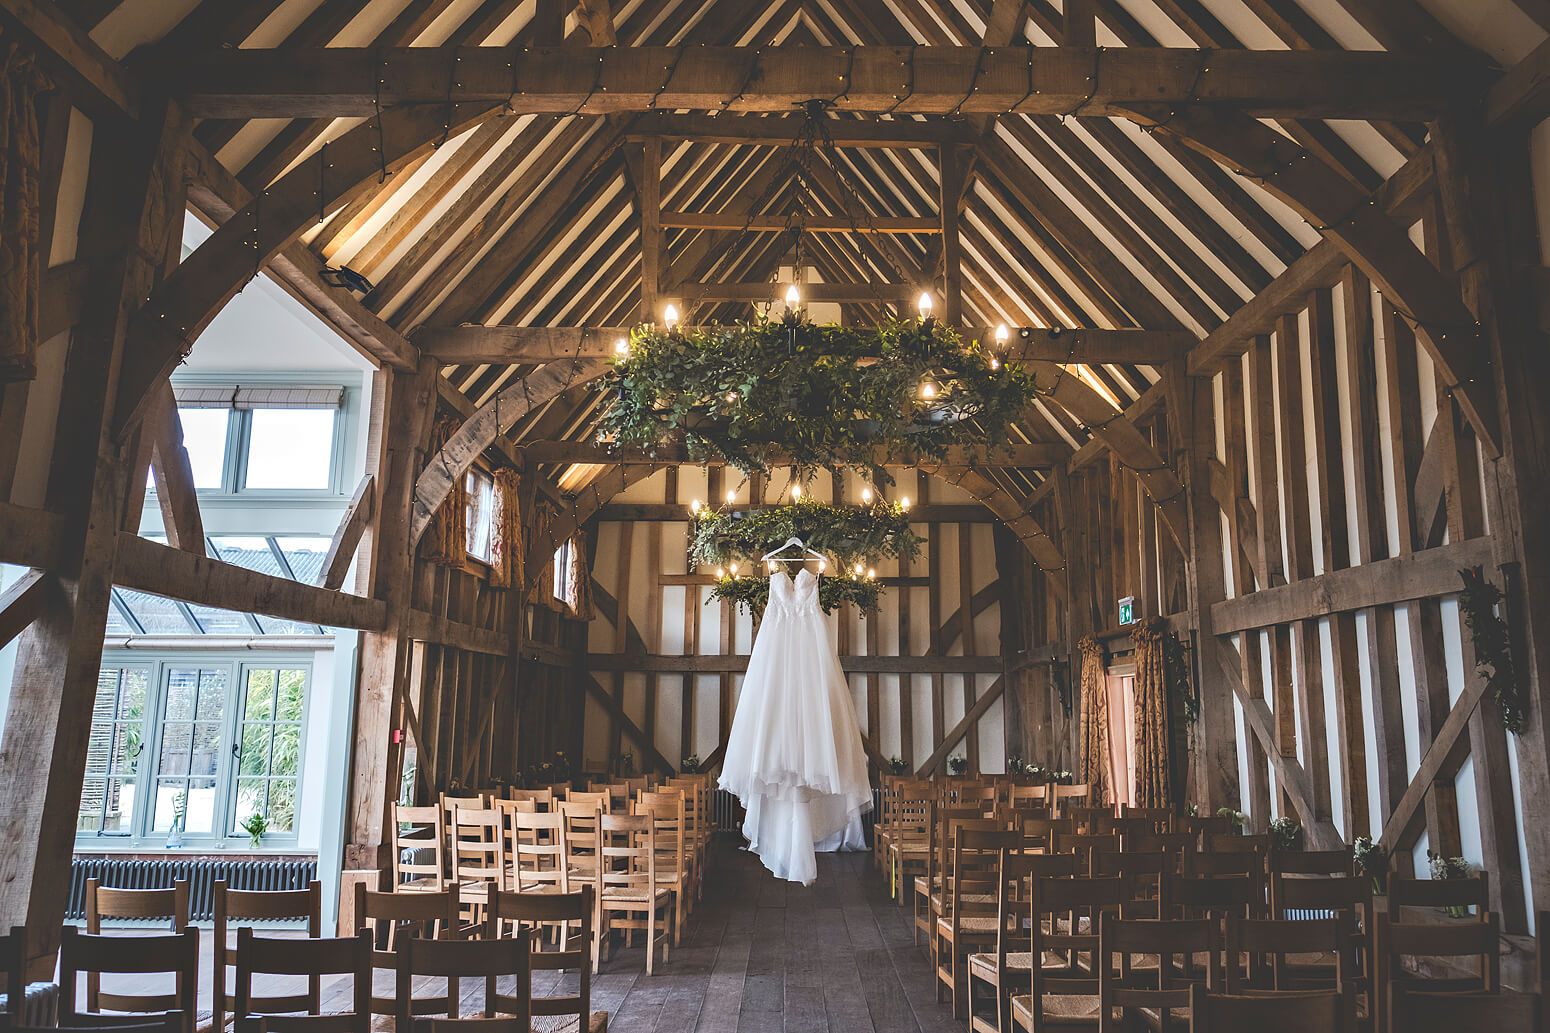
1180, 685
1493, 647
770, 393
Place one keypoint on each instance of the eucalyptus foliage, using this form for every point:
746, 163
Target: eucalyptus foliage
847, 534
1493, 647
753, 592
813, 396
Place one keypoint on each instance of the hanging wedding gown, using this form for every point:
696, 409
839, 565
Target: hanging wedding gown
794, 755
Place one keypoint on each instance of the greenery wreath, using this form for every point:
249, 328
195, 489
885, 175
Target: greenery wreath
753, 592
790, 392
847, 534
1493, 647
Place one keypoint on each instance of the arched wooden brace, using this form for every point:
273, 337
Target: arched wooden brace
1356, 222
480, 430
1122, 437
165, 328
596, 494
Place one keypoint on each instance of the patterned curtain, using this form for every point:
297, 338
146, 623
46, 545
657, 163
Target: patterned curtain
20, 249
507, 562
1095, 720
446, 540
542, 592
1154, 729
580, 579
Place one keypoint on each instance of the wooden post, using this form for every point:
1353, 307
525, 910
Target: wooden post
406, 401
652, 248
1215, 737
134, 215
952, 182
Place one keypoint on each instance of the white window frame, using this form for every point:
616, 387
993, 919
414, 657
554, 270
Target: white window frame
141, 836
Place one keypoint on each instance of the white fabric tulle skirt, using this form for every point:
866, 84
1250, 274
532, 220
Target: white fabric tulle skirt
794, 755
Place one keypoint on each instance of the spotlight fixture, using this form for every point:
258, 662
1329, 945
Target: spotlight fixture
349, 279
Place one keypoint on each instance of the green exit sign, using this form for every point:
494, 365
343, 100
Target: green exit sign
1127, 610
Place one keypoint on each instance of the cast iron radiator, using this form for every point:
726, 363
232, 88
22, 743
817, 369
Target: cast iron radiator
202, 876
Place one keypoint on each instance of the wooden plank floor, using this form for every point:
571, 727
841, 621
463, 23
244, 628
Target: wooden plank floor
763, 956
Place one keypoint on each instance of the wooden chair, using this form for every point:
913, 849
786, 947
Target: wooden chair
1063, 797
1064, 957
449, 806
1040, 832
535, 852
1018, 795
903, 801
909, 848
419, 829
1218, 896
697, 789
1006, 971
1272, 948
1133, 984
1233, 842
176, 954
1346, 899
628, 883
13, 965
543, 798
602, 800
619, 794
313, 958
1332, 863
108, 902
565, 912
968, 919
1201, 827
167, 1022
1393, 942
455, 960
391, 917
478, 856
1148, 878
232, 908
1269, 1013
1415, 1012
674, 866
931, 889
1472, 892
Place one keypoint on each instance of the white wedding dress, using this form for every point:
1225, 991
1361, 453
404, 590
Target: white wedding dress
794, 755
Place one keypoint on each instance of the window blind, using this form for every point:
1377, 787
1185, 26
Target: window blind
269, 396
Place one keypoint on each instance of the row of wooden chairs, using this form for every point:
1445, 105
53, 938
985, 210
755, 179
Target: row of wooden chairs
398, 919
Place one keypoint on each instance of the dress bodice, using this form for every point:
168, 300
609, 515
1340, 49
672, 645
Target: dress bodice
790, 596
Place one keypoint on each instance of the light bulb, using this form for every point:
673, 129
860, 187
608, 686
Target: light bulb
734, 570
793, 297
772, 566
866, 495
924, 305
796, 491
858, 568
823, 565
694, 507
622, 346
720, 573
1001, 333
928, 390
731, 396
731, 496
871, 573
904, 503
995, 363
670, 316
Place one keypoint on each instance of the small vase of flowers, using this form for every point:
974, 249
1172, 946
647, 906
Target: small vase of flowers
1372, 860
255, 827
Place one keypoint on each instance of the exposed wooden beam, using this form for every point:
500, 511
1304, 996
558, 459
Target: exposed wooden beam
30, 537
473, 344
769, 292
778, 130
946, 513
21, 601
347, 536
1420, 575
1037, 454
808, 223
617, 713
431, 627
344, 82
1521, 97
102, 86
736, 663
148, 566
175, 490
